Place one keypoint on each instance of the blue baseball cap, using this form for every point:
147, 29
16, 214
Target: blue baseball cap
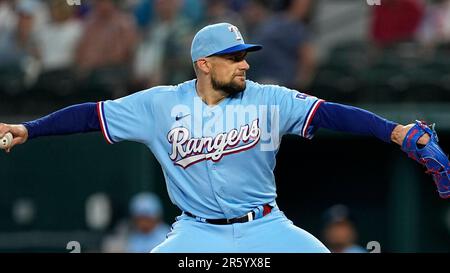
337, 213
146, 204
222, 38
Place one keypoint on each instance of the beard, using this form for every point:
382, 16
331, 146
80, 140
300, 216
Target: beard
231, 88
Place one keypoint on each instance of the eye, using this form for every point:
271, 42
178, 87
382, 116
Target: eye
237, 58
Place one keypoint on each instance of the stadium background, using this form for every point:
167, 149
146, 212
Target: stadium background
77, 188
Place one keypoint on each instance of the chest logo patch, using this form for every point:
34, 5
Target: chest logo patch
186, 151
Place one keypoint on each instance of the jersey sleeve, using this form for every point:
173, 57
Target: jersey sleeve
296, 111
128, 118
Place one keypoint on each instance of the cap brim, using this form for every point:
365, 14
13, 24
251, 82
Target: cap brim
241, 47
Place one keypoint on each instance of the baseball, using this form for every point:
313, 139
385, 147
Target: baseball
6, 141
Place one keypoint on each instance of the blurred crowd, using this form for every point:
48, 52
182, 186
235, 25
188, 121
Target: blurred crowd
110, 48
404, 57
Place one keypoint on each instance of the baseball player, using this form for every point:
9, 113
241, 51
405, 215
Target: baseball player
216, 138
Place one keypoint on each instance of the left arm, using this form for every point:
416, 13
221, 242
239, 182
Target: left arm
418, 140
351, 119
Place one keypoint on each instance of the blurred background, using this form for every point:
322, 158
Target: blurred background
392, 59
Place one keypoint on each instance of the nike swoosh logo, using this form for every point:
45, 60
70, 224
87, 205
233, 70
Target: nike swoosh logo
177, 118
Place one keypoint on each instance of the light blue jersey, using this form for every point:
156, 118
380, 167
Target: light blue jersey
218, 161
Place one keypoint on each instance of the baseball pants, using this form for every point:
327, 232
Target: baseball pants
274, 233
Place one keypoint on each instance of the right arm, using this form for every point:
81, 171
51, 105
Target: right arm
74, 119
128, 118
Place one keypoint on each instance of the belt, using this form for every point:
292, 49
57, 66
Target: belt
243, 219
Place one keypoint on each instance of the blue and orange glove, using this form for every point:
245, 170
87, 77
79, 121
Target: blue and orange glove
431, 156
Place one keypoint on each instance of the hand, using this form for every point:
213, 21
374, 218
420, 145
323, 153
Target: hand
400, 131
19, 132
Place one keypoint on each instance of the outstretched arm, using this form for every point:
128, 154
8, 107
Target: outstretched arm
351, 119
79, 118
418, 140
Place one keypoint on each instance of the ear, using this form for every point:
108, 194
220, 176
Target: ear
204, 66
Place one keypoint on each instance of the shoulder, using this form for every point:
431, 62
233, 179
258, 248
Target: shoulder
151, 94
166, 93
269, 90
270, 93
171, 90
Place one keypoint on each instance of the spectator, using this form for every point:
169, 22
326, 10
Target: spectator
56, 43
238, 5
289, 55
192, 9
218, 11
339, 232
396, 21
143, 12
17, 65
56, 40
163, 55
8, 33
107, 46
436, 25
147, 229
255, 14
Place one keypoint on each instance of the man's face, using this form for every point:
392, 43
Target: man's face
145, 224
228, 72
340, 235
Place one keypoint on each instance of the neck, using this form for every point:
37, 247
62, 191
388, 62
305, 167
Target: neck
208, 94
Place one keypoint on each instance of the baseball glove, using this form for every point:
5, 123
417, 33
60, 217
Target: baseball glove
431, 156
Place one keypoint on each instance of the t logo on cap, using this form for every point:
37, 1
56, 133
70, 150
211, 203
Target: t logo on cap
236, 31
217, 39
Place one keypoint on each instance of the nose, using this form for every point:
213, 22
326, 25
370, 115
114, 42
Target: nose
244, 65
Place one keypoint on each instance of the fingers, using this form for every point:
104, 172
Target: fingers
4, 128
19, 132
423, 140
